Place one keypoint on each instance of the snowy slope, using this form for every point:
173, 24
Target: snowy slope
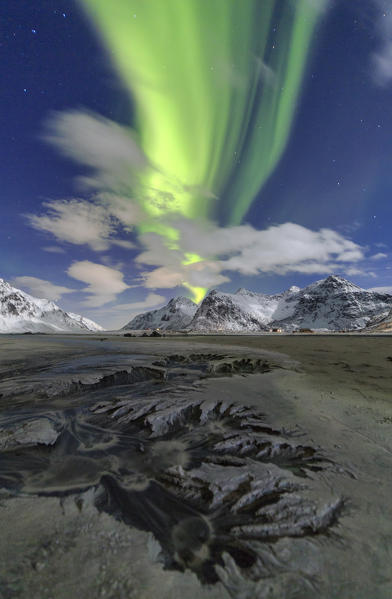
243, 310
176, 315
336, 304
20, 312
239, 311
329, 304
381, 325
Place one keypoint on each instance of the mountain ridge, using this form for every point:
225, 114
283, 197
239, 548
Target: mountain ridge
20, 312
333, 303
177, 314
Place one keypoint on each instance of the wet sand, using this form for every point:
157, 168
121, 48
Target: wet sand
214, 467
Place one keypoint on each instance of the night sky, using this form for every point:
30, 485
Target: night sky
189, 149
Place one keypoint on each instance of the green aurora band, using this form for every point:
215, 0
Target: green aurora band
214, 86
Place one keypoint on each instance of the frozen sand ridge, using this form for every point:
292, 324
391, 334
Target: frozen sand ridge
21, 312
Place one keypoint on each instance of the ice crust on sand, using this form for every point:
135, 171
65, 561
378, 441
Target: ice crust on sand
209, 478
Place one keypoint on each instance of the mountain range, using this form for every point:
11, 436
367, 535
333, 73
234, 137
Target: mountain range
23, 313
329, 304
333, 303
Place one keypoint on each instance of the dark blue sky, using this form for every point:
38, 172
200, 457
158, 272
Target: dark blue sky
336, 172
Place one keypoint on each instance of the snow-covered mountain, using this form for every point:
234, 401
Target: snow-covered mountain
243, 310
336, 304
330, 304
20, 313
176, 315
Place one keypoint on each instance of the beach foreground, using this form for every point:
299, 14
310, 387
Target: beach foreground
196, 466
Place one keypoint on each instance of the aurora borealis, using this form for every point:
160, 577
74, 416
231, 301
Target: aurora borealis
215, 87
160, 148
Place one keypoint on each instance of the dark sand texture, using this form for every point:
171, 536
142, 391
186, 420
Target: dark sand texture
249, 466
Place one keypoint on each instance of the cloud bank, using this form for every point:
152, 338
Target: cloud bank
103, 283
42, 288
280, 249
79, 222
201, 255
111, 150
152, 300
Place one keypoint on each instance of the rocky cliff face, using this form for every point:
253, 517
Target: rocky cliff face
225, 311
176, 315
20, 313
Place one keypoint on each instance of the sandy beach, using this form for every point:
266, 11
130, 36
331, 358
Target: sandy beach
249, 466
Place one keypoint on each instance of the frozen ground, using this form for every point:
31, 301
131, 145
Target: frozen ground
195, 467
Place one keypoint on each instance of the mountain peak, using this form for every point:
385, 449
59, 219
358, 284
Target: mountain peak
21, 312
337, 282
181, 299
337, 279
176, 315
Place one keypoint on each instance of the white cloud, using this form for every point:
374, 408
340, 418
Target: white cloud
290, 247
114, 317
279, 249
41, 288
152, 300
53, 249
382, 58
383, 64
122, 243
164, 277
378, 256
103, 283
352, 271
115, 161
99, 143
248, 250
110, 151
125, 210
171, 271
79, 222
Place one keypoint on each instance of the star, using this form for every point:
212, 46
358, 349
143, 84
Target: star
34, 31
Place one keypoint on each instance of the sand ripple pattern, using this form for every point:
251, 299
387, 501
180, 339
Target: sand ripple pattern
211, 480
